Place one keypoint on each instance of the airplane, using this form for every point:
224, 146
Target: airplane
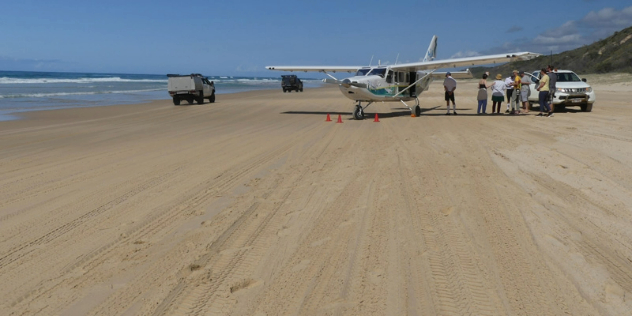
400, 82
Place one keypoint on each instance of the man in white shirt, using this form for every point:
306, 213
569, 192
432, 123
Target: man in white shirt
449, 85
509, 82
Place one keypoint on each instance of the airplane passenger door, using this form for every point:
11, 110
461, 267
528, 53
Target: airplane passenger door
412, 77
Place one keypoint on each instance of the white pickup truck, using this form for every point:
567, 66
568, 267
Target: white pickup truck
571, 91
193, 87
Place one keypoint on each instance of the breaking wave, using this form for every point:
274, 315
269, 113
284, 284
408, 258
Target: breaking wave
9, 80
61, 94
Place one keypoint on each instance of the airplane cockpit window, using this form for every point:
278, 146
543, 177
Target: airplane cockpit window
372, 72
377, 72
389, 77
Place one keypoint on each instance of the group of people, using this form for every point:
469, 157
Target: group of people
515, 88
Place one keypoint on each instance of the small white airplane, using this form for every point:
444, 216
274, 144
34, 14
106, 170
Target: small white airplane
400, 82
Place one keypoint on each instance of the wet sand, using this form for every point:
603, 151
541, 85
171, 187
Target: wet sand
255, 205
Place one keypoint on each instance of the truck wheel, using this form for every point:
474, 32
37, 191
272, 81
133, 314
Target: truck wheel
200, 99
176, 101
301, 89
284, 91
587, 108
190, 100
212, 98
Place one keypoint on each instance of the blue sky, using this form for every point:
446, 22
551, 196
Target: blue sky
241, 37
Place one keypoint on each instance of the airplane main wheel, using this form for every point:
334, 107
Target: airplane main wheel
358, 113
417, 111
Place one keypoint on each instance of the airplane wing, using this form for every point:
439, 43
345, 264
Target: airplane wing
332, 69
465, 62
467, 74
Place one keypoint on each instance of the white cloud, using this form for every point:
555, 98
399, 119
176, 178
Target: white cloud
574, 33
609, 18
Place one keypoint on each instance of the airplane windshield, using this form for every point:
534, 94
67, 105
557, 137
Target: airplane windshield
372, 72
377, 72
363, 72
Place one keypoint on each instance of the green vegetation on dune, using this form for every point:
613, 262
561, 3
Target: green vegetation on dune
613, 54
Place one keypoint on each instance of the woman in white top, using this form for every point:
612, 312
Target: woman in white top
498, 93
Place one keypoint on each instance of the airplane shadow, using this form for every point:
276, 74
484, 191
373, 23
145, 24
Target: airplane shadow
434, 111
401, 113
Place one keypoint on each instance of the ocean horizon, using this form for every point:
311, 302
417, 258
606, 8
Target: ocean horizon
23, 91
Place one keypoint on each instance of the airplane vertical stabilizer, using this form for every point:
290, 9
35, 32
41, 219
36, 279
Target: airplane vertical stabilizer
431, 54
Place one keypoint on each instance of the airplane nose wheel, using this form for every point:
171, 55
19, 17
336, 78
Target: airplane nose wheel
358, 113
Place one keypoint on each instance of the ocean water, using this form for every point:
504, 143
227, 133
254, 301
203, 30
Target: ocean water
22, 91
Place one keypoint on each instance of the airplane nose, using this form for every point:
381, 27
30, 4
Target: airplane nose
346, 83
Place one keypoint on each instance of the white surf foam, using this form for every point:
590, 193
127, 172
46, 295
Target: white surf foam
8, 80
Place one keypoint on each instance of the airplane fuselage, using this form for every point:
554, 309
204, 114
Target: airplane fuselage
382, 84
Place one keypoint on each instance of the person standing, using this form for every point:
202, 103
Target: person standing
525, 82
498, 93
509, 82
543, 97
449, 85
515, 97
482, 95
552, 87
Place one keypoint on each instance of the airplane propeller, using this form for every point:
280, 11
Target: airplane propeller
345, 83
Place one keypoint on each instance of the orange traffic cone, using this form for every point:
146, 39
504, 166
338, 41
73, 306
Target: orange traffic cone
339, 119
328, 118
377, 119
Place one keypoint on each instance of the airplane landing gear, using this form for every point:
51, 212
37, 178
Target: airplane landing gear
358, 113
417, 110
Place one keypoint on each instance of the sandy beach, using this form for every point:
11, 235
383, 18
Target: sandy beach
254, 205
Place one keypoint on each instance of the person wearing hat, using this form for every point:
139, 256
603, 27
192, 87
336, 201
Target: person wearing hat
514, 99
525, 82
498, 93
449, 85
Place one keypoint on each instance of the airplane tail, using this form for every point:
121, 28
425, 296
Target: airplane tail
432, 50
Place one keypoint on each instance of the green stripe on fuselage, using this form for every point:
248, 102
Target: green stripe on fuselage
385, 90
